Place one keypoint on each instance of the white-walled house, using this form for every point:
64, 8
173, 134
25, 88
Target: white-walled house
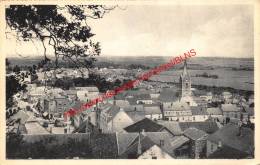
177, 111
199, 114
214, 112
155, 152
153, 111
87, 93
111, 118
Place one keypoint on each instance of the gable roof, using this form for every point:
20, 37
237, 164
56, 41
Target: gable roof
145, 124
124, 140
132, 149
208, 127
194, 133
178, 141
155, 150
110, 109
172, 126
228, 135
136, 115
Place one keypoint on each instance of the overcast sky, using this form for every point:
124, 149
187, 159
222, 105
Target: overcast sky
169, 30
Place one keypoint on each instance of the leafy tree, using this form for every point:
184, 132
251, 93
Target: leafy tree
12, 87
64, 28
16, 69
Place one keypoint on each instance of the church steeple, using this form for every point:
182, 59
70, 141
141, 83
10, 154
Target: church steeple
185, 68
185, 82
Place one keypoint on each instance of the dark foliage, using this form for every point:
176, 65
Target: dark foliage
12, 87
93, 80
68, 34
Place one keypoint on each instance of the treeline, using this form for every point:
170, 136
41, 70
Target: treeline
121, 66
219, 90
93, 80
62, 146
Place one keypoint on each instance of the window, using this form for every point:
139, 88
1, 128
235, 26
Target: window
211, 147
161, 143
187, 85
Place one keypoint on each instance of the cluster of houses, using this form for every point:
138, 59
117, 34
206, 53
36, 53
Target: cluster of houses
146, 123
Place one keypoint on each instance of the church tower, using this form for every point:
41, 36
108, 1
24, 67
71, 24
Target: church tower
185, 82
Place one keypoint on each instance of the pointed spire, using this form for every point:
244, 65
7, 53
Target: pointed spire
185, 68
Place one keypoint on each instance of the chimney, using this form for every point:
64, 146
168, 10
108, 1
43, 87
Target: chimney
219, 144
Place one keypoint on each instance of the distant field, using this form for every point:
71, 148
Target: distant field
226, 78
238, 79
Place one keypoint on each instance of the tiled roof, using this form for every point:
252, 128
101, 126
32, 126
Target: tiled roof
157, 137
214, 111
229, 108
146, 124
139, 107
208, 127
132, 149
110, 109
152, 109
136, 115
194, 133
228, 135
178, 141
172, 126
198, 111
177, 106
124, 140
